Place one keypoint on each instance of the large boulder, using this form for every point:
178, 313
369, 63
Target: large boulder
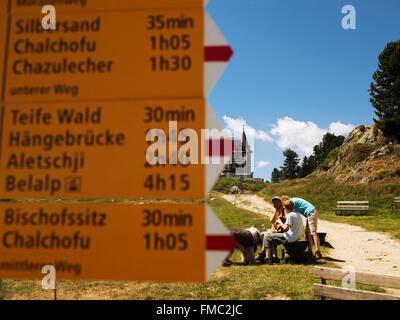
361, 135
365, 157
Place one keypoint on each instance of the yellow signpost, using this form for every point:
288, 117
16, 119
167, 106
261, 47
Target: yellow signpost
159, 242
110, 105
100, 150
107, 55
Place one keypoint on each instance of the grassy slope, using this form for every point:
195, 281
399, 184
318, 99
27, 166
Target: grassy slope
236, 282
324, 192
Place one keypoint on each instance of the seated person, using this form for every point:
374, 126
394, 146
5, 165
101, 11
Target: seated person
275, 227
309, 211
292, 231
279, 214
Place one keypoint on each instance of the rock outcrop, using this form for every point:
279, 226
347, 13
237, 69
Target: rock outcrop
365, 156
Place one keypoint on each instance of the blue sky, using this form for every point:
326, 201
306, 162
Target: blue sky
294, 62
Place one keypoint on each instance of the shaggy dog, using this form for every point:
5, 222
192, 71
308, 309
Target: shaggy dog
246, 241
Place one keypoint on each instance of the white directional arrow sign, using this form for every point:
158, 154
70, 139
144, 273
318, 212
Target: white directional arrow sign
217, 54
220, 145
219, 242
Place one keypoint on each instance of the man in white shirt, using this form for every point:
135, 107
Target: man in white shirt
292, 231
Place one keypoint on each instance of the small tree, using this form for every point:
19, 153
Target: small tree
290, 168
329, 143
385, 91
305, 169
318, 154
275, 176
312, 164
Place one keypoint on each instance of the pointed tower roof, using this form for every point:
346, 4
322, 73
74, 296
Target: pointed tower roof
244, 143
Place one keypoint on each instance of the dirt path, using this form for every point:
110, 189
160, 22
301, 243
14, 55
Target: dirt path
352, 246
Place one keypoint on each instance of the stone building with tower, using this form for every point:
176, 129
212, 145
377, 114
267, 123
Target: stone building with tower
240, 164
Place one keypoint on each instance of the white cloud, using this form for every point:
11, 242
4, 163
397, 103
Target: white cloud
236, 126
303, 136
262, 164
341, 129
287, 133
298, 135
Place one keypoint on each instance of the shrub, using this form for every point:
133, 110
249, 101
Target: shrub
224, 185
396, 150
330, 159
359, 152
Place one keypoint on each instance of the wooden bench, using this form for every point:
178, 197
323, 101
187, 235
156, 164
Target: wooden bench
396, 203
333, 292
294, 250
356, 208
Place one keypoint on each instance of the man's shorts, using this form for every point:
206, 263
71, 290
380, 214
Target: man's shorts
312, 222
274, 239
